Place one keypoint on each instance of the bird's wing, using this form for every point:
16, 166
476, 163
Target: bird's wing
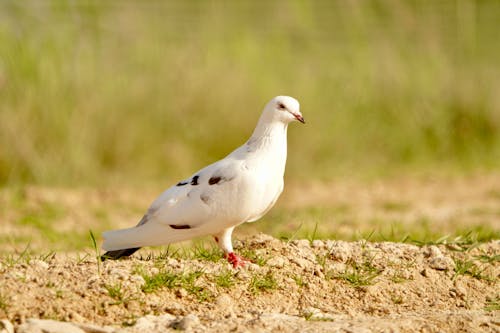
195, 201
195, 206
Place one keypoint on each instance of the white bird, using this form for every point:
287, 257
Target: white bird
240, 188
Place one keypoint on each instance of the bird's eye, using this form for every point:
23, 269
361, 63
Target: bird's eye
281, 106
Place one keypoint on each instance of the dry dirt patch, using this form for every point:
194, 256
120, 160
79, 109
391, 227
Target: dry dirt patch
292, 286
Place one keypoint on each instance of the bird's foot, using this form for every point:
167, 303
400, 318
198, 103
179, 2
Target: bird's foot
236, 260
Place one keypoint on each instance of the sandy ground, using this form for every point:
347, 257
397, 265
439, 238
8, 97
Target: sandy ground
314, 285
318, 286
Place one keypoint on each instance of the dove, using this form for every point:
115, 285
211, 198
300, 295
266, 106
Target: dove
240, 188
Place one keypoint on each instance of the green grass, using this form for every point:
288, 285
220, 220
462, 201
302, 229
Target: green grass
40, 217
359, 275
4, 302
201, 251
43, 221
493, 304
464, 242
97, 251
299, 281
253, 256
166, 252
25, 257
260, 283
384, 86
340, 222
39, 220
11, 259
164, 279
399, 277
491, 259
117, 292
225, 279
174, 280
397, 299
395, 206
468, 267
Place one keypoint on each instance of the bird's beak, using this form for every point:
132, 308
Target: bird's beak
299, 118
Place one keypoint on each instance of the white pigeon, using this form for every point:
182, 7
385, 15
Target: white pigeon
240, 188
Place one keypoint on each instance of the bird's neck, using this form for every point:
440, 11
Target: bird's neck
269, 134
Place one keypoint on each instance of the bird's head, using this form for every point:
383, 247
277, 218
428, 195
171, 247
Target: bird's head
285, 109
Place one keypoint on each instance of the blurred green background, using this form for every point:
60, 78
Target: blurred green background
93, 92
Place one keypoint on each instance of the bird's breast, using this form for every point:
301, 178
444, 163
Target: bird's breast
264, 187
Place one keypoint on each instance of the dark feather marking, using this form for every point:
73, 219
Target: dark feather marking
117, 254
194, 181
181, 183
214, 180
180, 226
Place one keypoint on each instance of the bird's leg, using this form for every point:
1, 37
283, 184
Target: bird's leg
235, 260
223, 239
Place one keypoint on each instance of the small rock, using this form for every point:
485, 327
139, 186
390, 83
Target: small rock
458, 291
224, 301
318, 271
262, 238
150, 323
164, 320
461, 290
187, 323
277, 261
119, 273
144, 324
76, 317
137, 279
48, 326
432, 252
340, 253
316, 314
225, 304
6, 326
302, 263
336, 267
310, 311
441, 263
40, 264
91, 328
302, 243
181, 293
172, 262
272, 322
93, 279
318, 244
174, 308
361, 330
252, 267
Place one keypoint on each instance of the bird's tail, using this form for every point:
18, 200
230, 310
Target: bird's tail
124, 242
117, 254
